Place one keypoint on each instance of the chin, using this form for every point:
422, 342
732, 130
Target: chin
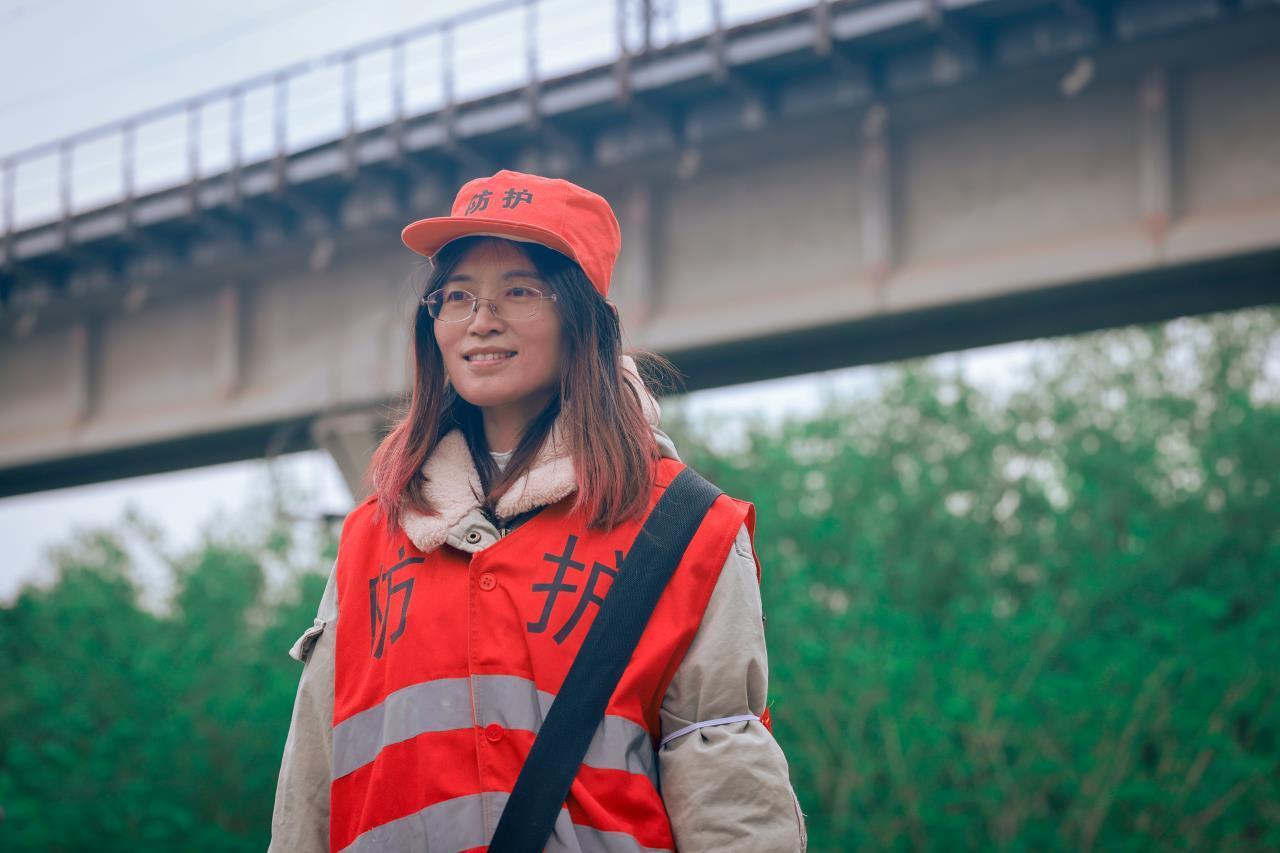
485, 397
487, 401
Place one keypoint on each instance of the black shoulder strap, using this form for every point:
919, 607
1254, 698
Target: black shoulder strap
543, 783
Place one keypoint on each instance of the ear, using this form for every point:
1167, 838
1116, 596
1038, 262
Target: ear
613, 307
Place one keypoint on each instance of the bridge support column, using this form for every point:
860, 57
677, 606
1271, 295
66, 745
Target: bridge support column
350, 438
874, 179
230, 359
83, 346
1155, 153
635, 284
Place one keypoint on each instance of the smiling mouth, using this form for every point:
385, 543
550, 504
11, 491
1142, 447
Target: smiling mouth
489, 356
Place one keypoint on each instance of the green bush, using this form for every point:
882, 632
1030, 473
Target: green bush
126, 730
1045, 623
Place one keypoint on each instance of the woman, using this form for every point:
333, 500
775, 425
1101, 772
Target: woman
504, 503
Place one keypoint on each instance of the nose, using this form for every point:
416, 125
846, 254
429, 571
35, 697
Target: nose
485, 317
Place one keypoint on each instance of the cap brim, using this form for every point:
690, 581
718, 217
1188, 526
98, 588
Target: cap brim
429, 236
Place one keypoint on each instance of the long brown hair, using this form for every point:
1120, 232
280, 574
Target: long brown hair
611, 443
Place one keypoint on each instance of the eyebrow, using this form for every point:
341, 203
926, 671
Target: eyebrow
507, 276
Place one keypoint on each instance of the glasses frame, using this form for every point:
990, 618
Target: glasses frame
425, 302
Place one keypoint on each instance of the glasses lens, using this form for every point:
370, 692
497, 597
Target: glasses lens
519, 302
451, 305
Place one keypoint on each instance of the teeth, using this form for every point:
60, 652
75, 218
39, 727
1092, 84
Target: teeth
490, 356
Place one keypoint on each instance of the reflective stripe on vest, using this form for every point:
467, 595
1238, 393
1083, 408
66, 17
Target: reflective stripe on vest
505, 700
456, 825
446, 664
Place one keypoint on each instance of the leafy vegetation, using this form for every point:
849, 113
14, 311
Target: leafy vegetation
1046, 621
1050, 622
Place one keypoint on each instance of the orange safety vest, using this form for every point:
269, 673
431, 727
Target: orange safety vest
447, 662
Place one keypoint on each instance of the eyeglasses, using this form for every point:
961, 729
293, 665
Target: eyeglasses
518, 302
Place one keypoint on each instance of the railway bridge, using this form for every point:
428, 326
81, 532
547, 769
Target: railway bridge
800, 187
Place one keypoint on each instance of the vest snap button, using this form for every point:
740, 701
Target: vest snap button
493, 732
473, 536
488, 581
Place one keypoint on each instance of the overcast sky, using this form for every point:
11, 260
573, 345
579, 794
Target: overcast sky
69, 65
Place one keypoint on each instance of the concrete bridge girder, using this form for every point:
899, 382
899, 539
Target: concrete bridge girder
1014, 205
350, 438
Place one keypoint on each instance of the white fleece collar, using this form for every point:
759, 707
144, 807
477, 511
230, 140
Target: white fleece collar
452, 485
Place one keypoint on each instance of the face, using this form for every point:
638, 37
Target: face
525, 376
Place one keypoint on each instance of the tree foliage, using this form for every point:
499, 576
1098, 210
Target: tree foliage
1042, 622
126, 730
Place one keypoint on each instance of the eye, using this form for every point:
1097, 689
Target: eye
456, 295
521, 293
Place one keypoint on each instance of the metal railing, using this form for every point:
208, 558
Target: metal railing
501, 46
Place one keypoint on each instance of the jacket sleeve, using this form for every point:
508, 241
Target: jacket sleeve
726, 786
300, 820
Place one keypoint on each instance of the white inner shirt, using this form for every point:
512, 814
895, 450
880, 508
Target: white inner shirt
502, 458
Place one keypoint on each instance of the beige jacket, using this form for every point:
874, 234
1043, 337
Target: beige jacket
725, 786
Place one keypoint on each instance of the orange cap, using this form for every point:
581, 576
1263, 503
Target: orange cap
551, 211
